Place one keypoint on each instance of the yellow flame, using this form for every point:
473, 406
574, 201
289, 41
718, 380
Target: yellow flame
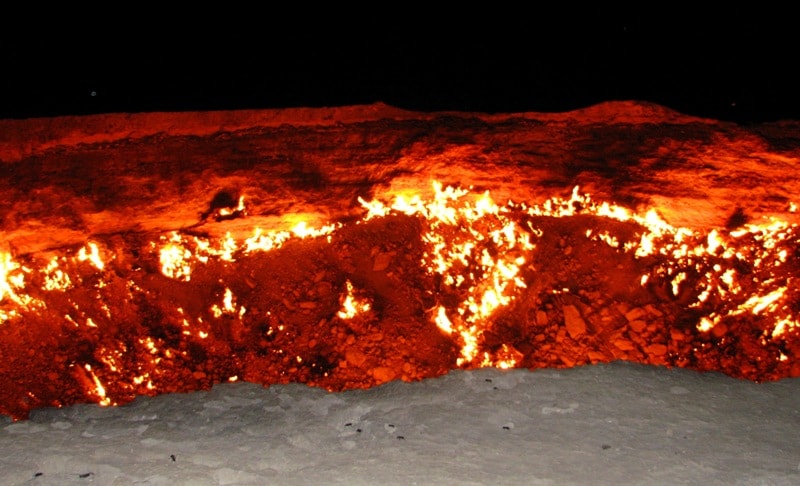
227, 212
99, 390
758, 303
55, 278
784, 325
177, 254
228, 301
714, 242
352, 306
479, 249
442, 321
507, 358
9, 284
461, 231
605, 237
676, 282
174, 259
302, 230
228, 305
265, 242
469, 349
92, 254
705, 324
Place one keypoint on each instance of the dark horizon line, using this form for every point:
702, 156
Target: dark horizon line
740, 112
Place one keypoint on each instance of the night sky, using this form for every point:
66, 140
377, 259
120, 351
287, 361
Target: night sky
733, 65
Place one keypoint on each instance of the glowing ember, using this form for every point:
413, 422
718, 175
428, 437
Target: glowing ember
179, 253
10, 279
564, 282
174, 259
351, 305
55, 278
91, 255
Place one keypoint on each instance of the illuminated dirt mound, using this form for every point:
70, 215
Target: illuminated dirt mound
344, 248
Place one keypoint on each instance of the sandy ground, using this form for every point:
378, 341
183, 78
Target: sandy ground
616, 423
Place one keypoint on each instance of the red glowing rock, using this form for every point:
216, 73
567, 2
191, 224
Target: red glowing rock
116, 282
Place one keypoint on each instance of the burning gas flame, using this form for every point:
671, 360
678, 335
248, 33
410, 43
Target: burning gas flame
92, 255
179, 254
481, 259
352, 305
10, 279
466, 238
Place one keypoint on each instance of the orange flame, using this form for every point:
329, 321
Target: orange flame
479, 253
